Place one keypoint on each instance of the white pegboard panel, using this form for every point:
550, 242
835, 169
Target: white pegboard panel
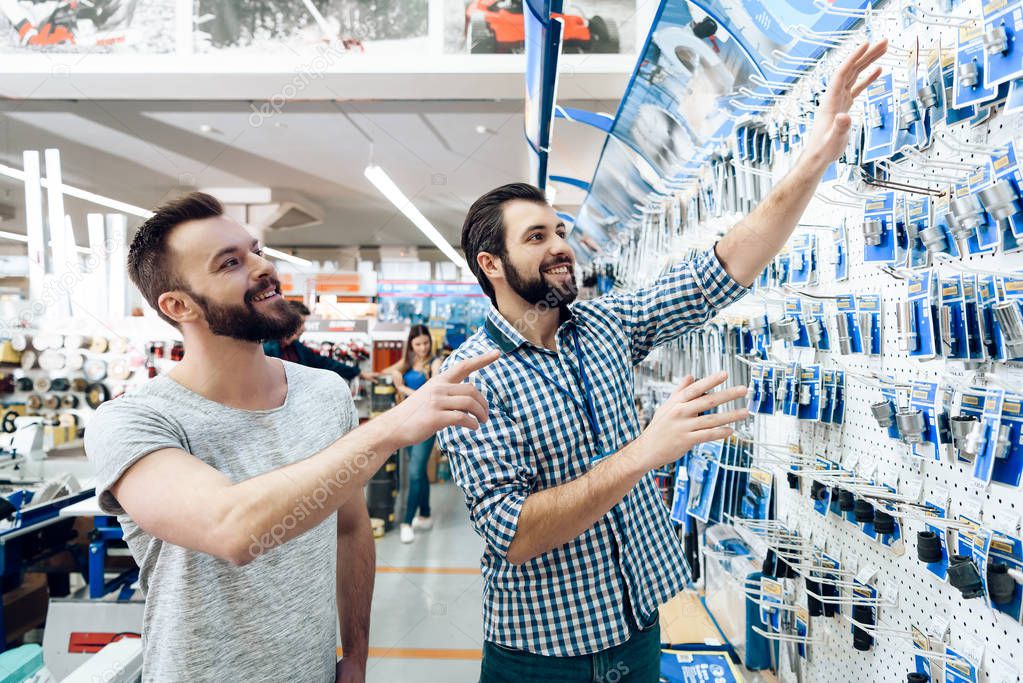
920, 594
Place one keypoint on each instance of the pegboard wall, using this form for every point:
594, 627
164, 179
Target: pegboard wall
859, 442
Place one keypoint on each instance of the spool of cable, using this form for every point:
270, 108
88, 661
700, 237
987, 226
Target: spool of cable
928, 547
863, 511
846, 501
1000, 586
884, 523
964, 576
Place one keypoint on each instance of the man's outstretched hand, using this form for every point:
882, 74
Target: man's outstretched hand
831, 122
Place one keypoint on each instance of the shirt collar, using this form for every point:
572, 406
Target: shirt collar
508, 338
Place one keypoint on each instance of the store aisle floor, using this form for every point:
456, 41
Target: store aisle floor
427, 624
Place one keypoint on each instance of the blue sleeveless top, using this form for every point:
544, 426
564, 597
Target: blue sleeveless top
414, 379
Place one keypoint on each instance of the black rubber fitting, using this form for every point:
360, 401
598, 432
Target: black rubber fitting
814, 606
964, 575
917, 678
818, 491
863, 614
883, 522
1000, 586
846, 501
864, 511
793, 480
928, 547
829, 590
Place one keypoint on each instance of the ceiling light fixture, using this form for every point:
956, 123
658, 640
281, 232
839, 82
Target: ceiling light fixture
383, 182
290, 258
123, 207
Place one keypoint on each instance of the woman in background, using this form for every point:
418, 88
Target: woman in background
418, 365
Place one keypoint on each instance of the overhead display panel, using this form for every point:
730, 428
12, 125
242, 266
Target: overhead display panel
706, 64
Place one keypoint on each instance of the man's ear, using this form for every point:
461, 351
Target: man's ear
490, 265
179, 307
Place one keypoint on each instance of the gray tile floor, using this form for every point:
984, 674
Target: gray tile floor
434, 611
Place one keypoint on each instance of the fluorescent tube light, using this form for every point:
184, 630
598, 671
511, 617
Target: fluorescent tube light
269, 251
383, 182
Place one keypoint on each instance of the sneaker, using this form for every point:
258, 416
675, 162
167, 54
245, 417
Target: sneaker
406, 534
424, 523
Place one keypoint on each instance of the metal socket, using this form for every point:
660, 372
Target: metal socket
911, 425
969, 74
814, 331
884, 413
787, 328
875, 118
961, 426
912, 231
909, 113
968, 212
796, 261
760, 324
867, 332
1002, 443
996, 40
873, 230
973, 444
933, 238
928, 96
843, 336
805, 395
1010, 320
907, 329
1000, 200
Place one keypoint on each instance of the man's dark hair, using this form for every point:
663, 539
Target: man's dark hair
484, 228
300, 308
149, 262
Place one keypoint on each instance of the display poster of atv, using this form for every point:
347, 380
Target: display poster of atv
498, 26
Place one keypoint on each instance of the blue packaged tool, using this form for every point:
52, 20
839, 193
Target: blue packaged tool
953, 339
881, 123
810, 393
868, 307
1003, 56
916, 322
991, 419
879, 229
1007, 465
1006, 550
970, 67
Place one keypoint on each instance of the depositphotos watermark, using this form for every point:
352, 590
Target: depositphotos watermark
316, 68
307, 505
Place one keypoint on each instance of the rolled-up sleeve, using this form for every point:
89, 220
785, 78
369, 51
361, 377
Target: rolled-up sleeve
494, 470
685, 297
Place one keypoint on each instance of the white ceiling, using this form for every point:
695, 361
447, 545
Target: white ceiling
143, 152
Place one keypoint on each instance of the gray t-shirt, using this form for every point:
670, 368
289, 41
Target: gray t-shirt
205, 618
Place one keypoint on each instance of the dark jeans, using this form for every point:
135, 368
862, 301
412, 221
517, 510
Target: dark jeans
637, 660
418, 483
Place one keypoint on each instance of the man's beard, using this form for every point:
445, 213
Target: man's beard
539, 289
245, 323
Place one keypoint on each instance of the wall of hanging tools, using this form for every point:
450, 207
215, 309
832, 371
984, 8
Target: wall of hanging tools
865, 524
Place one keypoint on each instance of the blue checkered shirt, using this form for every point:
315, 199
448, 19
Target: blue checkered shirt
582, 597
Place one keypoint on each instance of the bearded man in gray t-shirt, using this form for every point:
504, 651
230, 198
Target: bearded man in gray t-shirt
238, 478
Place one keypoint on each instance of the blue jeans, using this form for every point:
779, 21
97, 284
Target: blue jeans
637, 660
418, 483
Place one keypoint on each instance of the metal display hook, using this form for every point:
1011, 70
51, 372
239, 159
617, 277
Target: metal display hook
788, 638
928, 18
879, 601
835, 202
